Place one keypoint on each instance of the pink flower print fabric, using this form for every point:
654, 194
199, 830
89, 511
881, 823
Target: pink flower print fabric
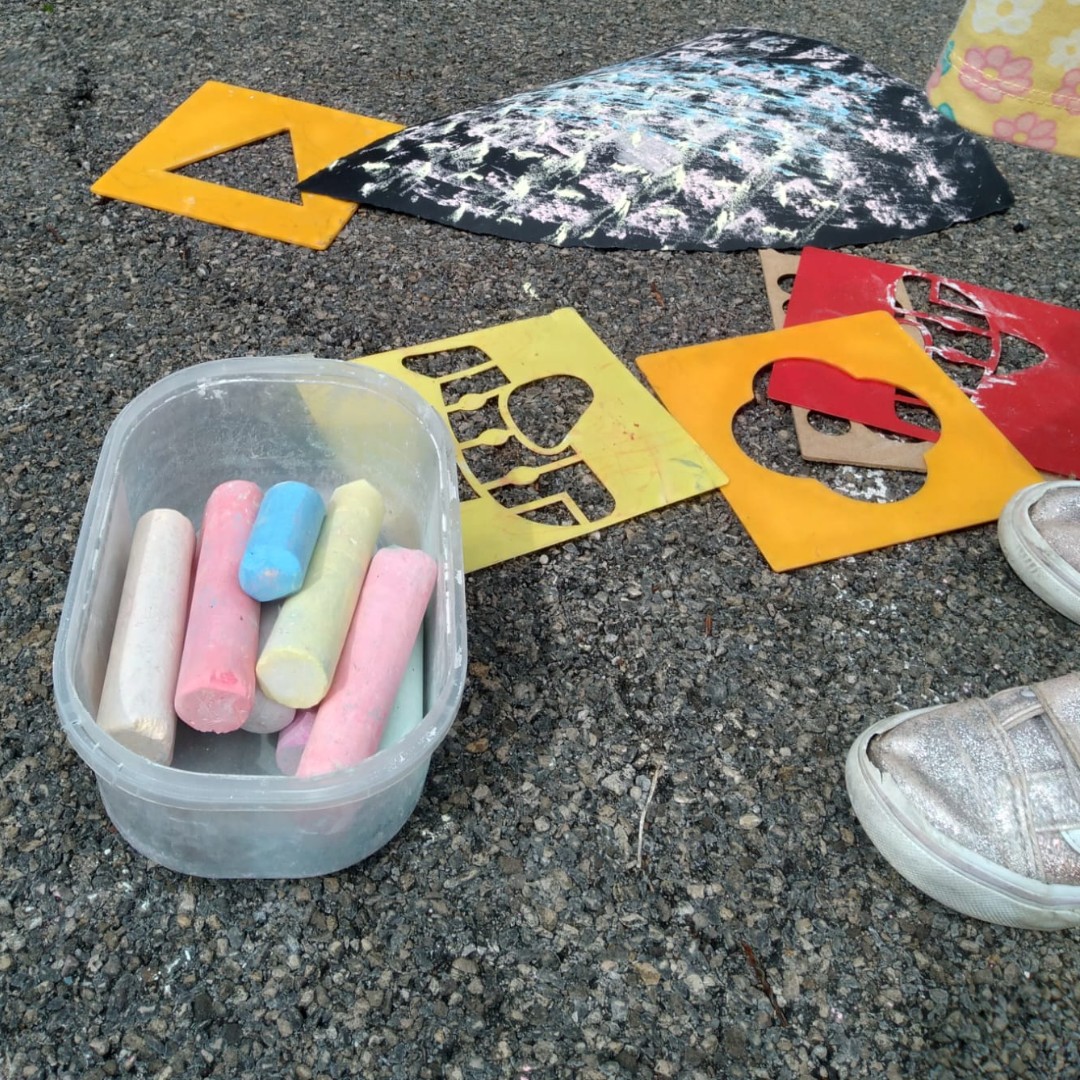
1011, 70
1068, 93
995, 72
1027, 129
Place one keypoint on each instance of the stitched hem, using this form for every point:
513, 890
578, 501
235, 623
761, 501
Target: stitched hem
1042, 98
970, 111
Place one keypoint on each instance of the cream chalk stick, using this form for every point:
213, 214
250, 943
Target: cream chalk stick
216, 686
136, 705
351, 718
267, 716
297, 665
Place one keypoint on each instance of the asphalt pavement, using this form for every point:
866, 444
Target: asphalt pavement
653, 683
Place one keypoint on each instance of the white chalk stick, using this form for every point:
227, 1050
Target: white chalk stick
267, 715
136, 705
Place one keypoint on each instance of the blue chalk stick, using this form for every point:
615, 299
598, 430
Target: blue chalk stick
281, 542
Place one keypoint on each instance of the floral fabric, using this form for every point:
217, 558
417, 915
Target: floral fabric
1011, 69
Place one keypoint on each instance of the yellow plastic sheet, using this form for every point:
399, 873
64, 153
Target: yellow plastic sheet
218, 118
972, 470
631, 445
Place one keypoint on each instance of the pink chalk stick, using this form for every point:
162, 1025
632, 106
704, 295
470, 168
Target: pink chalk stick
350, 720
292, 740
216, 686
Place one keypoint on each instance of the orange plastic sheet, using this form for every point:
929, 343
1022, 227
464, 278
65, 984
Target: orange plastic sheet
517, 489
218, 118
972, 470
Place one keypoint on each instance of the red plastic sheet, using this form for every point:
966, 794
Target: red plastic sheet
977, 334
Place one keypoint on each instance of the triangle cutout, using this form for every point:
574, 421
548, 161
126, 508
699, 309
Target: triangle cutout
219, 117
265, 167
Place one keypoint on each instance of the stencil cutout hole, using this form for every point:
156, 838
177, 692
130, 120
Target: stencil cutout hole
1018, 354
265, 168
951, 303
440, 364
828, 425
785, 283
577, 481
952, 297
465, 490
483, 382
973, 345
918, 290
914, 413
491, 463
557, 514
545, 411
963, 374
765, 431
469, 424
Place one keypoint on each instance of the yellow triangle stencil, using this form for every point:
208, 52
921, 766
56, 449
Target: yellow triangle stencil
218, 118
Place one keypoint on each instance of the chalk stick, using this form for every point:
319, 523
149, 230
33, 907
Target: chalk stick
216, 686
292, 740
281, 542
136, 706
267, 716
351, 718
408, 708
297, 665
407, 712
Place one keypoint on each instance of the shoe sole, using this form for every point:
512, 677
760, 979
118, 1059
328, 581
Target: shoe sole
938, 866
1037, 565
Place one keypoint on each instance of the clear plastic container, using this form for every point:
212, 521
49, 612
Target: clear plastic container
222, 809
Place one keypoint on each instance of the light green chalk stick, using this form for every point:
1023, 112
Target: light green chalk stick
408, 708
297, 663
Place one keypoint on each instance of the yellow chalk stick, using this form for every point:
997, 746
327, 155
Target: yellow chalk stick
298, 661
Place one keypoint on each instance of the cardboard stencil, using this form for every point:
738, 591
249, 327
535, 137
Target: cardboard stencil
859, 445
218, 118
516, 485
973, 330
776, 266
796, 521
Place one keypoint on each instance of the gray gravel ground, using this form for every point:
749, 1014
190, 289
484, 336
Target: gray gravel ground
508, 930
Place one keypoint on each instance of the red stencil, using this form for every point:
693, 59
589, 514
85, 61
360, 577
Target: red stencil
1017, 359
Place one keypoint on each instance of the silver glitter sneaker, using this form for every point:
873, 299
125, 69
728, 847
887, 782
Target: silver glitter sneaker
978, 803
1039, 532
